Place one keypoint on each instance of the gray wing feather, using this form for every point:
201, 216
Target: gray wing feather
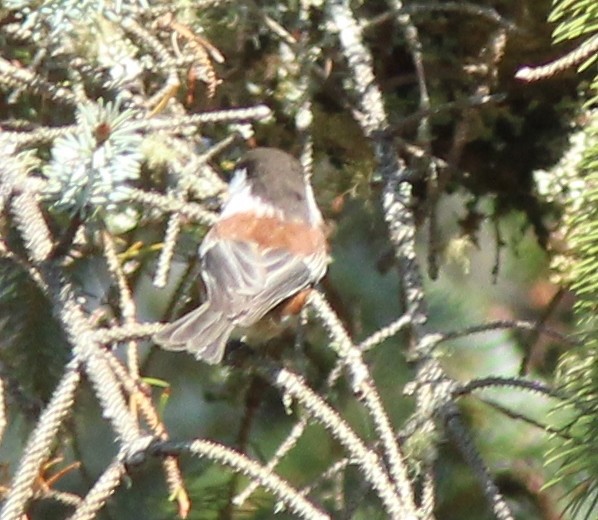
203, 332
242, 284
246, 282
232, 268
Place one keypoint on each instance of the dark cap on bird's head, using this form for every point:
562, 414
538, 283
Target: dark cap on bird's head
277, 178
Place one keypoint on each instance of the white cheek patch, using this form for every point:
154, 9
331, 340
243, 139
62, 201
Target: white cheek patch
241, 200
238, 182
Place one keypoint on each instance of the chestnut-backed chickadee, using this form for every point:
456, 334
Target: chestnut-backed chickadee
259, 260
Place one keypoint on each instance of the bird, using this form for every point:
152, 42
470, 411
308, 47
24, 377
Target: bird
260, 259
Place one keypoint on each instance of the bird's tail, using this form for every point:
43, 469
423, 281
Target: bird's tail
203, 332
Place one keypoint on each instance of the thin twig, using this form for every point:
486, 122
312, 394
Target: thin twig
68, 499
428, 169
2, 410
37, 136
364, 387
532, 340
126, 332
512, 382
174, 478
384, 333
298, 429
289, 443
459, 7
257, 113
126, 301
20, 77
575, 57
279, 487
173, 230
39, 444
169, 204
524, 418
504, 324
368, 460
462, 439
335, 468
100, 492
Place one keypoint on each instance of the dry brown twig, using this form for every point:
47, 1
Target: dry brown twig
201, 49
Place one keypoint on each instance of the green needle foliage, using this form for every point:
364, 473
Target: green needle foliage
576, 452
91, 165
